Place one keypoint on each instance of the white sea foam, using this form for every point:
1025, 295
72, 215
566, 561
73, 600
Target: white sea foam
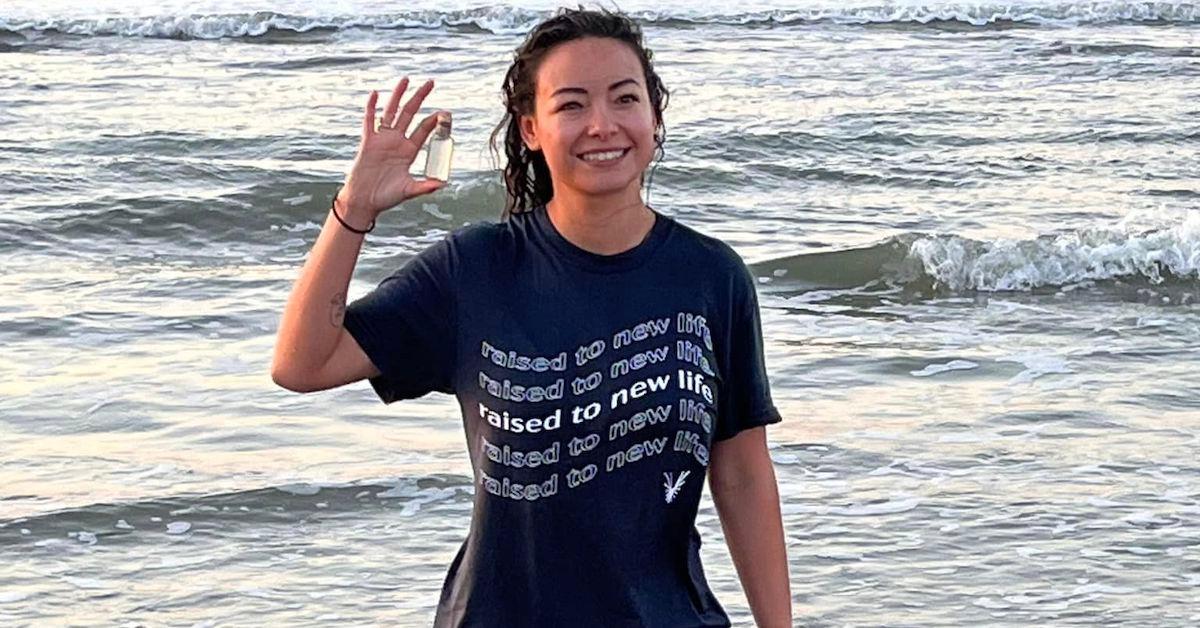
505, 19
432, 210
952, 365
1036, 365
426, 496
1088, 254
403, 488
499, 20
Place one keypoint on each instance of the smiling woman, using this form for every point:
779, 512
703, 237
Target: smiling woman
595, 130
586, 127
636, 315
561, 106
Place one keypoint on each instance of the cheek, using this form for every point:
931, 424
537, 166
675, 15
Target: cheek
558, 142
645, 129
645, 140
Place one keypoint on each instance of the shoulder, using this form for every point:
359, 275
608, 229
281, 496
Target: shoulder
455, 249
716, 256
488, 234
475, 234
465, 244
475, 247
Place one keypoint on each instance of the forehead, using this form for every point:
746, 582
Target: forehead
592, 63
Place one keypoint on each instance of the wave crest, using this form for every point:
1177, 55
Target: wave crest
501, 19
1062, 260
1168, 254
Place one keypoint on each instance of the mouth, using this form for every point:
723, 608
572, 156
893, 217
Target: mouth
604, 157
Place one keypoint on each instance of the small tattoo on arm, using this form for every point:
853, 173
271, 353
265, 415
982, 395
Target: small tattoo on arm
337, 310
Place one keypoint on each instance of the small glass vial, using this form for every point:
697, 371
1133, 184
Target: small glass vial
437, 159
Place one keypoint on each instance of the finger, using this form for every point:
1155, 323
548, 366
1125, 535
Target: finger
427, 186
413, 105
424, 129
369, 118
389, 113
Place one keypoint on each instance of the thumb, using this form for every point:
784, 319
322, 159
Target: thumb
427, 186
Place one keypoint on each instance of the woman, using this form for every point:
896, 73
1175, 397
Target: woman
604, 356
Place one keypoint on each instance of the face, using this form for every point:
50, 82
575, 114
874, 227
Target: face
592, 118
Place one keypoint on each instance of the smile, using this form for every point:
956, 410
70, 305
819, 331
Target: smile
606, 156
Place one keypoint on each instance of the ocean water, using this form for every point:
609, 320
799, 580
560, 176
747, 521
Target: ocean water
975, 228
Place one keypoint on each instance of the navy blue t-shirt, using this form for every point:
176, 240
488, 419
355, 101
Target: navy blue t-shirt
592, 389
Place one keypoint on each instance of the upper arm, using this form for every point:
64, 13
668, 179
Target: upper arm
406, 327
741, 460
348, 363
744, 399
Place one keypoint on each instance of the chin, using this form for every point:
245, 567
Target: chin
608, 184
607, 188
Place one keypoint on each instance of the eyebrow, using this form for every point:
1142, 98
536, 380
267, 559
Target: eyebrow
580, 90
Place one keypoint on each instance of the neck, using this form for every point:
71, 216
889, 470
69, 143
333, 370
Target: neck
605, 225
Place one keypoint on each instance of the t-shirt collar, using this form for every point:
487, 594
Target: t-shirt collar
595, 262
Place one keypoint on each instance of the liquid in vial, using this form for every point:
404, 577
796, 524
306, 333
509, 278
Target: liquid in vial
437, 159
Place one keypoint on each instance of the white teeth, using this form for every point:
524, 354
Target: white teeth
608, 156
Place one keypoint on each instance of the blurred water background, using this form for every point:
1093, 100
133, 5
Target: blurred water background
975, 227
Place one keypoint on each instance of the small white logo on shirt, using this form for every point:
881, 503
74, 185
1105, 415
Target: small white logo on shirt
673, 485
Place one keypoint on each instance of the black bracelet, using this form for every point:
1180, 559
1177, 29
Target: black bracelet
333, 209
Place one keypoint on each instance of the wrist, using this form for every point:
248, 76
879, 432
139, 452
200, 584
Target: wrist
351, 215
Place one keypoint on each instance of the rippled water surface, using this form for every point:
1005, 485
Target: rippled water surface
975, 227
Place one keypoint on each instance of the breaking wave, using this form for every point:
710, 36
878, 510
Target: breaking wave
1169, 254
500, 19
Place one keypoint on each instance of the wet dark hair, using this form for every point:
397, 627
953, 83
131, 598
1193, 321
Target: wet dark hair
526, 175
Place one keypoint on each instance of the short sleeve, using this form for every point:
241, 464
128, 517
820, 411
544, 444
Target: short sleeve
406, 326
745, 398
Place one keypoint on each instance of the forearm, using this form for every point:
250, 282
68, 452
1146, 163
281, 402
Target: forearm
312, 320
753, 526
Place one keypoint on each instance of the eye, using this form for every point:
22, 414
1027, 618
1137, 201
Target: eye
568, 105
631, 97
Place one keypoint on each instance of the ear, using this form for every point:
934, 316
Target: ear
529, 132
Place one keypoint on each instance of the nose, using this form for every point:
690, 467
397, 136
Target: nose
601, 122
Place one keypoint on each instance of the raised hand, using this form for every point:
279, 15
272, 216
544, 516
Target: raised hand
379, 178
